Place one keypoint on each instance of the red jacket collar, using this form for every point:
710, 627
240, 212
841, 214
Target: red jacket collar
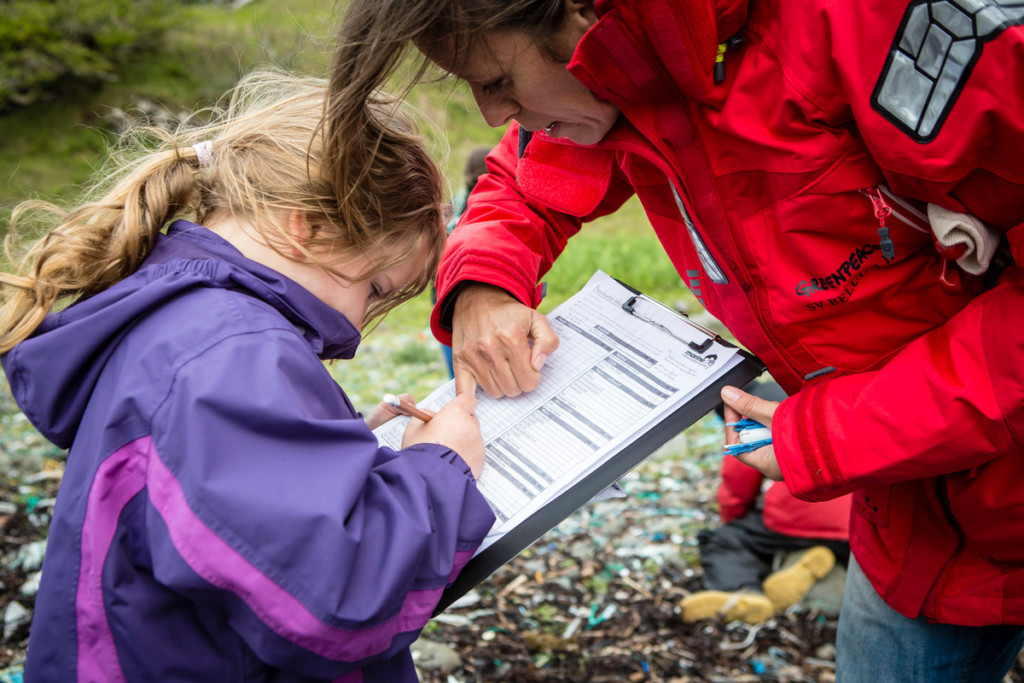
635, 42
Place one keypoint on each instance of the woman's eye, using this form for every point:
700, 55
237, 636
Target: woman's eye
376, 293
494, 87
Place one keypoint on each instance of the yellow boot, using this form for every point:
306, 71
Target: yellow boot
750, 607
790, 584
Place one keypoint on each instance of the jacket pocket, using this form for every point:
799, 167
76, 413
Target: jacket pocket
832, 289
873, 504
987, 506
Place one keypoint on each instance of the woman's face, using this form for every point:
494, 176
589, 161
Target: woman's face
513, 78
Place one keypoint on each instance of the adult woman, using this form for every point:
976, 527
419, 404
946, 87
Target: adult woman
788, 154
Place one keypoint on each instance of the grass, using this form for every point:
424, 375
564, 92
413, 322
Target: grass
50, 149
622, 245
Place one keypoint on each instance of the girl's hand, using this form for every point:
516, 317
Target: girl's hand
384, 412
454, 426
738, 404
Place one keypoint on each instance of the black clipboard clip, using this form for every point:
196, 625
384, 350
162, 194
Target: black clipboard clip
630, 307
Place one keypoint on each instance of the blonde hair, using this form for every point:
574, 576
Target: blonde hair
268, 150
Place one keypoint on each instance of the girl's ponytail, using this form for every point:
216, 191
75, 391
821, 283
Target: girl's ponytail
94, 245
263, 150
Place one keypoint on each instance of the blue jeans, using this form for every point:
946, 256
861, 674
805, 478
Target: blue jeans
876, 643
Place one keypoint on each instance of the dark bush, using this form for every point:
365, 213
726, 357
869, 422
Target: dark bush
47, 44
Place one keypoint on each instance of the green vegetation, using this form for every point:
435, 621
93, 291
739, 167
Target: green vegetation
50, 147
45, 46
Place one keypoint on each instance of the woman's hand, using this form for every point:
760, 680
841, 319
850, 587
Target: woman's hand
454, 426
739, 404
491, 342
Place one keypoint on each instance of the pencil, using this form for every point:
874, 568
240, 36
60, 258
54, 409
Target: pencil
406, 409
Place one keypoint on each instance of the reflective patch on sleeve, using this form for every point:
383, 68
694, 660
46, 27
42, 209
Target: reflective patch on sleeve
932, 56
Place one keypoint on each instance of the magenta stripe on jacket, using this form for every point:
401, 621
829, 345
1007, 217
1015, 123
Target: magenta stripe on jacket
117, 481
225, 568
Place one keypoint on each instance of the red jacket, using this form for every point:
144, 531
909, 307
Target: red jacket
905, 386
781, 511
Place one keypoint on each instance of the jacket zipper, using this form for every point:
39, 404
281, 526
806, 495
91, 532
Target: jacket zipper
882, 212
901, 209
711, 266
950, 277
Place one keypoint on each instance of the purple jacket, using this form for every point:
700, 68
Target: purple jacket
225, 514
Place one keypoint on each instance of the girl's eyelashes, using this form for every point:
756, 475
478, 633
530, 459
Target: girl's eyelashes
494, 87
376, 292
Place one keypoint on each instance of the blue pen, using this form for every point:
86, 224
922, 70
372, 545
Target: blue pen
753, 435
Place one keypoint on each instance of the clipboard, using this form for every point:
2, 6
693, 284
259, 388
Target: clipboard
527, 532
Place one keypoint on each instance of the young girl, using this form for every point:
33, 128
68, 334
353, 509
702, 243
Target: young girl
226, 514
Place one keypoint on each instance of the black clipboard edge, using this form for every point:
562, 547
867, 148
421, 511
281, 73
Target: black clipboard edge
568, 502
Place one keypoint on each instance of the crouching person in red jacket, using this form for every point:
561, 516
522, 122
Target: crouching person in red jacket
763, 528
758, 531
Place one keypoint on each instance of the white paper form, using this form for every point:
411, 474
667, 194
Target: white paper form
614, 375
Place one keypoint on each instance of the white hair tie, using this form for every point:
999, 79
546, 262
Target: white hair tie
204, 152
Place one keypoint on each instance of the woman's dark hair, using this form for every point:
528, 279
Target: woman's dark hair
376, 45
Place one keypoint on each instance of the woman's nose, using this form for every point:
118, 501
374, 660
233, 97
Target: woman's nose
496, 110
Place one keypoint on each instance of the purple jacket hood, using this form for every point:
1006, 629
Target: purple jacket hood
52, 373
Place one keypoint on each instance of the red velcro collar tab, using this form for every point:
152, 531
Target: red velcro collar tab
567, 178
